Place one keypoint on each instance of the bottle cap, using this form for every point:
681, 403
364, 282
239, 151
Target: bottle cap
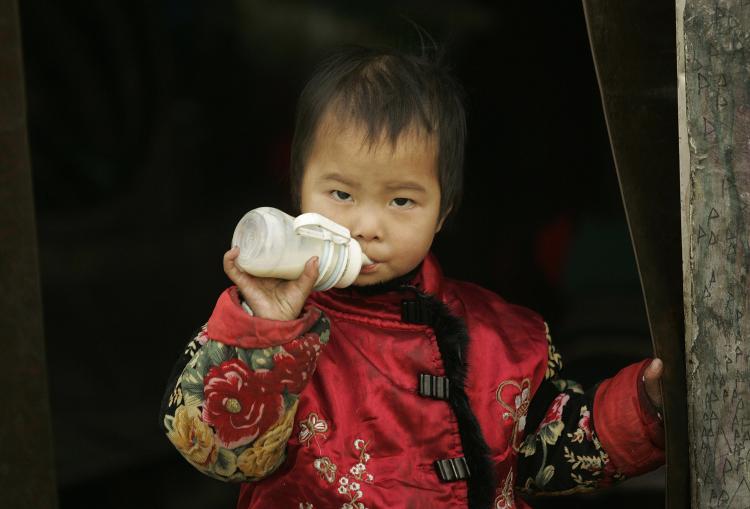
320, 227
353, 265
339, 271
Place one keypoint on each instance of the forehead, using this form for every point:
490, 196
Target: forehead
347, 147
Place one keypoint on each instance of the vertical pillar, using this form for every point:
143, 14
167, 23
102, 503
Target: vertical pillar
632, 43
714, 118
26, 467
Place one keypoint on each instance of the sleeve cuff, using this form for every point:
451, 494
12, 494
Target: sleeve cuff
232, 325
630, 432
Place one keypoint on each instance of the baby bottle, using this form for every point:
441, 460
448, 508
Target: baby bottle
275, 244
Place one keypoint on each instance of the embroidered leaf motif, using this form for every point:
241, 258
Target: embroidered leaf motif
218, 352
192, 387
168, 422
245, 356
322, 328
554, 359
289, 399
324, 336
262, 359
226, 462
544, 476
528, 448
551, 432
567, 385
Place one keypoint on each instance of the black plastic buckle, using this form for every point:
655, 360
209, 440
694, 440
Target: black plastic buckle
431, 386
452, 469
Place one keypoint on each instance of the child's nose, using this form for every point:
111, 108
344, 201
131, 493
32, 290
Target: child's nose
367, 227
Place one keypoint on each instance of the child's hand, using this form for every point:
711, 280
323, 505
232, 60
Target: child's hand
652, 381
272, 298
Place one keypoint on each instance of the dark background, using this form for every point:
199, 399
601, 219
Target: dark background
155, 125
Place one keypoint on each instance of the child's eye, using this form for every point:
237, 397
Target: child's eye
340, 195
402, 203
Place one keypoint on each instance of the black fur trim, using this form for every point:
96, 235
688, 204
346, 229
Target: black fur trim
453, 340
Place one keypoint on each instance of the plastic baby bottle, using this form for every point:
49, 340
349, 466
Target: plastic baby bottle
275, 244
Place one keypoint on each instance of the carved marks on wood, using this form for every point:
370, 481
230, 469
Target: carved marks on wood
717, 62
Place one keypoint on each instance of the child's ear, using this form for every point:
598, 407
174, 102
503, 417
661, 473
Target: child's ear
443, 218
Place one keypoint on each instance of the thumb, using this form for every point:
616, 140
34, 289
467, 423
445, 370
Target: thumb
654, 370
651, 380
309, 276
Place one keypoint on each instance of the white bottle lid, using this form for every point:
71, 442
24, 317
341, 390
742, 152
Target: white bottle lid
320, 227
353, 265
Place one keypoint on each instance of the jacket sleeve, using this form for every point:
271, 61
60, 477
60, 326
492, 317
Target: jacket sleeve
579, 441
230, 403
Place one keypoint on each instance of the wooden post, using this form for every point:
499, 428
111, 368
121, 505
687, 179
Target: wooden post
26, 471
632, 43
714, 117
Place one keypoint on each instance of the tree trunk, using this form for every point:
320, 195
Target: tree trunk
714, 117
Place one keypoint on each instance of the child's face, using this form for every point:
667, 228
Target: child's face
388, 197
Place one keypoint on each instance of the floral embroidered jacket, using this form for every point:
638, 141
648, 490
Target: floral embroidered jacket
435, 393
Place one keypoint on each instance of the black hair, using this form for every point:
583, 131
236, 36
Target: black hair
388, 92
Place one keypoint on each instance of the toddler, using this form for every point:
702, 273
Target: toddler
408, 389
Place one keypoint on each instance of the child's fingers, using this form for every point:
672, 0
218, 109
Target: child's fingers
236, 274
232, 254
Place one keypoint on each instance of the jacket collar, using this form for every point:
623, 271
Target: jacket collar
384, 301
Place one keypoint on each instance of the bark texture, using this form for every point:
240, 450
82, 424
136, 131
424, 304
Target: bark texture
714, 108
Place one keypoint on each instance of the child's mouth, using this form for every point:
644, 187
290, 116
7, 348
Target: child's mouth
367, 269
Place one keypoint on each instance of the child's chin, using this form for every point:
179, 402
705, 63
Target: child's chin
369, 280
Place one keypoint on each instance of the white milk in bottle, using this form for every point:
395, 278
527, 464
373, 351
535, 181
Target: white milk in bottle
275, 244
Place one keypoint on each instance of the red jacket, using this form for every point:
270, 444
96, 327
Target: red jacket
437, 393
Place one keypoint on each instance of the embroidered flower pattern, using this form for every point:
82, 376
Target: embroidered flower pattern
566, 462
554, 359
326, 468
563, 454
310, 427
175, 399
231, 410
348, 484
240, 403
584, 427
504, 499
520, 394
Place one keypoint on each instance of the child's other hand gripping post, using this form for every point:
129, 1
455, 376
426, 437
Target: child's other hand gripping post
652, 381
275, 299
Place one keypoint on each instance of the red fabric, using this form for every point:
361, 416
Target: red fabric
632, 435
232, 325
252, 390
364, 392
